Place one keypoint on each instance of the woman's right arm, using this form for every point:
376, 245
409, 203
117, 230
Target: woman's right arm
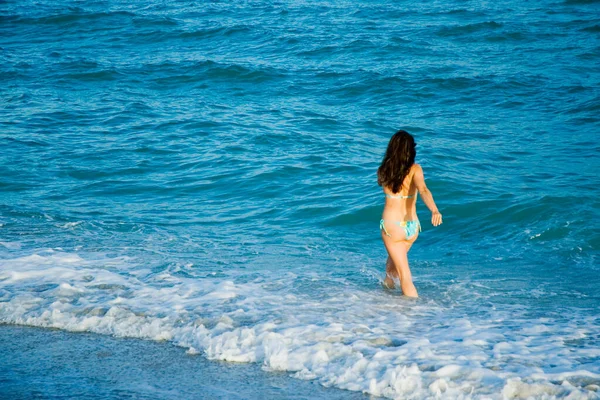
419, 179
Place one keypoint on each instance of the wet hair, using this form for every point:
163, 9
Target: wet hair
399, 157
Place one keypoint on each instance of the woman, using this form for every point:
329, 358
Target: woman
401, 178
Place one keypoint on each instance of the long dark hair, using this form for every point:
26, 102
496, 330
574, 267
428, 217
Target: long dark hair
399, 157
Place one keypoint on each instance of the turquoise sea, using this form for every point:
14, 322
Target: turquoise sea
203, 174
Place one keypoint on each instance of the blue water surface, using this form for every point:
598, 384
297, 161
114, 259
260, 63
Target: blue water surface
205, 173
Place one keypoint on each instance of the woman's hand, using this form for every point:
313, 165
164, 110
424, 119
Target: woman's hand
436, 218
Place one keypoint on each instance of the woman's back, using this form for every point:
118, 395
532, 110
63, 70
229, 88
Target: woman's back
402, 205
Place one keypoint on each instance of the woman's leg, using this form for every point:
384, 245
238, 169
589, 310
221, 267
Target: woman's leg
390, 274
398, 261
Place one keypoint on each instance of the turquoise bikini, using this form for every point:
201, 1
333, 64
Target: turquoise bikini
410, 227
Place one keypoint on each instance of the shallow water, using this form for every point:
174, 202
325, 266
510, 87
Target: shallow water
205, 174
48, 364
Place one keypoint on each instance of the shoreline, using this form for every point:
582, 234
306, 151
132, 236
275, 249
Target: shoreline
51, 364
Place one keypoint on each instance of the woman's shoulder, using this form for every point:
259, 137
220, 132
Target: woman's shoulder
415, 170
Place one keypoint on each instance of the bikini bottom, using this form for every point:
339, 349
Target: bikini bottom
410, 227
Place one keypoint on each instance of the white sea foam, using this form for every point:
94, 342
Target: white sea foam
69, 225
10, 245
343, 335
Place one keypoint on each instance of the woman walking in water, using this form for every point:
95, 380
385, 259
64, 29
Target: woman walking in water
400, 179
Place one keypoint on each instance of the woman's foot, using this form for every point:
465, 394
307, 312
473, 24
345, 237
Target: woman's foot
388, 283
409, 290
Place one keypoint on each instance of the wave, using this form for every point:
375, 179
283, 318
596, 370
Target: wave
593, 28
336, 333
109, 74
580, 1
214, 31
76, 15
469, 29
170, 73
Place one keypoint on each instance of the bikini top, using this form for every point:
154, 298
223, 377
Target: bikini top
391, 196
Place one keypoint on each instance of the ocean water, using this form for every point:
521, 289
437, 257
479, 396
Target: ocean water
204, 174
56, 364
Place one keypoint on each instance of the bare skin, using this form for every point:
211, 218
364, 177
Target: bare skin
397, 244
